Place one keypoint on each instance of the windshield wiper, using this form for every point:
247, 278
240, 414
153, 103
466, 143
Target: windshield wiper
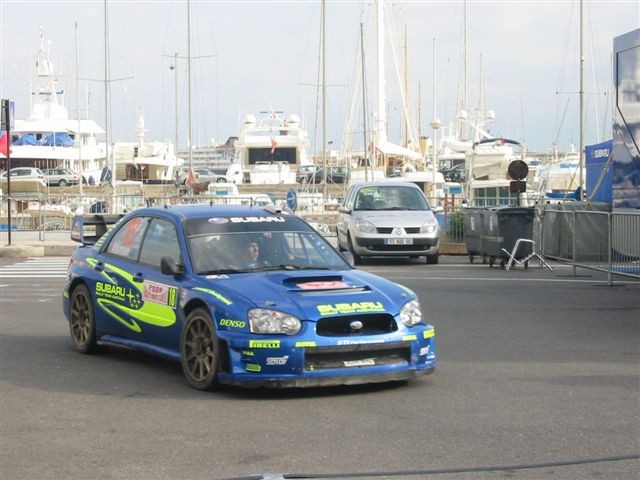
290, 267
222, 271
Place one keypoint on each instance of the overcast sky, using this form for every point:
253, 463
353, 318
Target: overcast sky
261, 55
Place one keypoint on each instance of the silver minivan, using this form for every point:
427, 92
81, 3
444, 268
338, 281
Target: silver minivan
387, 218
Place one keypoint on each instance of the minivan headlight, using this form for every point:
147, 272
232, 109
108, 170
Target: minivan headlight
262, 320
410, 313
430, 226
365, 227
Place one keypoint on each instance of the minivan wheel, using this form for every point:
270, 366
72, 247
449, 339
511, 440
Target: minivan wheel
357, 259
432, 259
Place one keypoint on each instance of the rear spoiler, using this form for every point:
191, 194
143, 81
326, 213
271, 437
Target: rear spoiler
87, 229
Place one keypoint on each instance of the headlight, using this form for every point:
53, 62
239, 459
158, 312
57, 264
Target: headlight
410, 313
262, 320
429, 226
365, 227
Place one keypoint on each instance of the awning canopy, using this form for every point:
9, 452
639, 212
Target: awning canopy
388, 148
51, 125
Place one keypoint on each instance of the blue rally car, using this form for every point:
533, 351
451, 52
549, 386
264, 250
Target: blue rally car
240, 295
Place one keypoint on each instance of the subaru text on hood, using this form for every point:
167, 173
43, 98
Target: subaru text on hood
240, 295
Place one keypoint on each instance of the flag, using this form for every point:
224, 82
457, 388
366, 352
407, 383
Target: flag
273, 145
4, 144
190, 177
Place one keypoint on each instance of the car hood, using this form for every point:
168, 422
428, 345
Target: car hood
310, 294
392, 218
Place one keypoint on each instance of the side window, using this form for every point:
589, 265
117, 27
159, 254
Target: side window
126, 242
161, 241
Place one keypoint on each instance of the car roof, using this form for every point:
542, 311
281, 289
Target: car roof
385, 183
185, 211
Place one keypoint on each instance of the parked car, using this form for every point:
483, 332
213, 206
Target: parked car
202, 175
456, 173
61, 177
206, 175
334, 175
305, 172
25, 174
240, 295
390, 218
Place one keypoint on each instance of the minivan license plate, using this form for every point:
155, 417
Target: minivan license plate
398, 241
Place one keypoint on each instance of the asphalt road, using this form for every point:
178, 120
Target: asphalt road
535, 367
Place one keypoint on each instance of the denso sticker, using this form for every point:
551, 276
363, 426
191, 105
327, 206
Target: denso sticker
225, 322
158, 293
322, 285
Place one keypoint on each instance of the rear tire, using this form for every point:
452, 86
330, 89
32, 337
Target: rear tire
82, 320
200, 350
221, 180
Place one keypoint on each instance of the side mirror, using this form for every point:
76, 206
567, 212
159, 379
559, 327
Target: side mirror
168, 266
344, 210
348, 256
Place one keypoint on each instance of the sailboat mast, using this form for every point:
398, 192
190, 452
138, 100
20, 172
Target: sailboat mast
79, 135
189, 82
581, 163
365, 144
381, 121
324, 101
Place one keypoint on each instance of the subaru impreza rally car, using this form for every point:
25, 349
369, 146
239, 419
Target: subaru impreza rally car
184, 282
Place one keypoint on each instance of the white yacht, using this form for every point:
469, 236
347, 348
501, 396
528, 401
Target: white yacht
559, 178
146, 162
49, 138
269, 149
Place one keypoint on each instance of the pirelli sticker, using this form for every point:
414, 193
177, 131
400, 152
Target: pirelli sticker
264, 343
355, 307
159, 293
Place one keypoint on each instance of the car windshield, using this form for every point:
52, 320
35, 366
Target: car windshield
390, 197
219, 246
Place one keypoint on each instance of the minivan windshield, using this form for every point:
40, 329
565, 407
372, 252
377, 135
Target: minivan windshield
391, 197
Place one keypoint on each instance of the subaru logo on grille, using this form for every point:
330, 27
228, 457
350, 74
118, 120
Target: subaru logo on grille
356, 325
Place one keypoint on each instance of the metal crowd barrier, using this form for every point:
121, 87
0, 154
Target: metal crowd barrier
603, 241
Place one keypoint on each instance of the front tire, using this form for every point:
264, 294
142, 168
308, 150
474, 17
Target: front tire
433, 259
357, 259
82, 321
200, 350
63, 183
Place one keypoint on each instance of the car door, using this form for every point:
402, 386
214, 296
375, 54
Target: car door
134, 299
160, 292
114, 284
344, 217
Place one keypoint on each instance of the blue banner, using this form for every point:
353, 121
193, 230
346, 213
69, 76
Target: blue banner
599, 169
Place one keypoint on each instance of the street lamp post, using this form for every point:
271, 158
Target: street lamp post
174, 66
435, 125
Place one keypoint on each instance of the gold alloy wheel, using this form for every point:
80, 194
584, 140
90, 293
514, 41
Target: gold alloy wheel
199, 349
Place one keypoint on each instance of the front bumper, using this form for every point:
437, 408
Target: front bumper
323, 361
378, 245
